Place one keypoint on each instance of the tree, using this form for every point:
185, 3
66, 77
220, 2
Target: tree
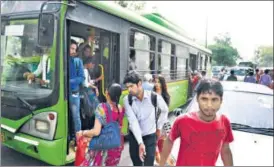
264, 56
136, 6
222, 51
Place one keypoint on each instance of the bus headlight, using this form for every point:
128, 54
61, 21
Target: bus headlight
42, 125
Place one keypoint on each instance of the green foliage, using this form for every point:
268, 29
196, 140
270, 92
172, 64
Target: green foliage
264, 56
222, 51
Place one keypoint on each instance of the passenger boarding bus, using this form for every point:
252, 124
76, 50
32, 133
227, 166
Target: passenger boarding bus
35, 117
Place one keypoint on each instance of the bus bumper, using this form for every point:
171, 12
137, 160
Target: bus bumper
51, 152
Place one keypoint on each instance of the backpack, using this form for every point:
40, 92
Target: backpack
154, 103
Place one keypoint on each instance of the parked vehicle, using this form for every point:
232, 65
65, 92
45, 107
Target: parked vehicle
250, 110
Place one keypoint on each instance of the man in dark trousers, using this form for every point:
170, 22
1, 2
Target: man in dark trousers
143, 121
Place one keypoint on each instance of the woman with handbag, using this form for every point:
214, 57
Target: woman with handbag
101, 151
160, 87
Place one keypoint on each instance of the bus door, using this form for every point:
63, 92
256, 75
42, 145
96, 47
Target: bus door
109, 60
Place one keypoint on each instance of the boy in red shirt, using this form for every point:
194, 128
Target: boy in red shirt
204, 134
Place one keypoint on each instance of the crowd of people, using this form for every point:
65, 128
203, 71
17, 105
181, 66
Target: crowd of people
147, 130
151, 135
264, 77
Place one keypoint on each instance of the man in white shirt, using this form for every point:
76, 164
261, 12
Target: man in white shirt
43, 68
142, 120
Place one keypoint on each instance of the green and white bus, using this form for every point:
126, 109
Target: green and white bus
35, 117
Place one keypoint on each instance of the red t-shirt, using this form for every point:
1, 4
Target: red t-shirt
195, 81
201, 142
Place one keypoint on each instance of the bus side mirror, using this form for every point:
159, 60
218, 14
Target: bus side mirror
46, 26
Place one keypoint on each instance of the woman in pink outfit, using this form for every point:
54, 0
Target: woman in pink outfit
109, 157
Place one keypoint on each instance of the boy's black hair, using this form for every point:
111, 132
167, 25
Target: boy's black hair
203, 72
132, 77
232, 72
251, 73
209, 85
266, 71
132, 53
88, 60
72, 41
87, 47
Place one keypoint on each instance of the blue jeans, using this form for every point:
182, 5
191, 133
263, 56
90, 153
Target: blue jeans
93, 98
74, 100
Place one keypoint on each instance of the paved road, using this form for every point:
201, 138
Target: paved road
10, 157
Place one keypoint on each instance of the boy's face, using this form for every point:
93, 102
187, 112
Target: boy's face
134, 89
209, 103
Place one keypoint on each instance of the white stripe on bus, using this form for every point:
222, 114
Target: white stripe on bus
25, 140
8, 128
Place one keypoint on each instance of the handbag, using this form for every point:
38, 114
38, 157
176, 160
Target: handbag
109, 136
80, 151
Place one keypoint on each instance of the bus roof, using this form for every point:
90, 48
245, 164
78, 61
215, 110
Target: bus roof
142, 21
159, 19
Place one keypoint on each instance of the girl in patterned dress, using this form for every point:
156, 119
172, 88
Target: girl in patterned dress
109, 157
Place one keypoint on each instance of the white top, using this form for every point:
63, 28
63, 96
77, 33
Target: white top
141, 115
87, 82
43, 67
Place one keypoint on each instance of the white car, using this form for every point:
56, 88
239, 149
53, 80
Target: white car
240, 72
250, 110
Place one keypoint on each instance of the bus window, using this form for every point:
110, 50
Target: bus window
173, 66
201, 62
187, 69
182, 62
141, 53
164, 59
206, 60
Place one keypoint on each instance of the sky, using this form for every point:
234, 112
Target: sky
249, 23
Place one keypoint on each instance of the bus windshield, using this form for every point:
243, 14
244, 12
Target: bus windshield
8, 7
22, 59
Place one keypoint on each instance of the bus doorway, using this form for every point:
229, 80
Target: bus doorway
107, 56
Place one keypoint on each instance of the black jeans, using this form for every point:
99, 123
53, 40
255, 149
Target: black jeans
150, 144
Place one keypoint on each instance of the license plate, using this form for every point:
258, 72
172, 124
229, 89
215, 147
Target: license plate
2, 137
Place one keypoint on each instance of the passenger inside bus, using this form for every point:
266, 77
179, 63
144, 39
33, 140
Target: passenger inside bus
76, 78
95, 72
86, 48
132, 59
89, 83
89, 97
42, 72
